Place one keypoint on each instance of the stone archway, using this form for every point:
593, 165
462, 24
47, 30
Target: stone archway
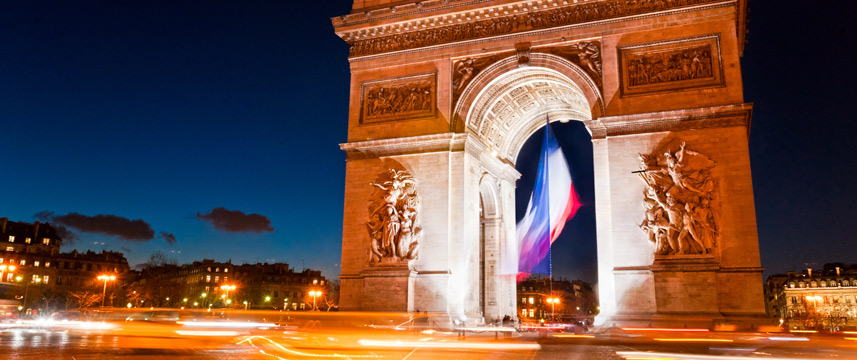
506, 105
443, 95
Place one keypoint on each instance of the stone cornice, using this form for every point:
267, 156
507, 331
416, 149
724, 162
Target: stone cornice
675, 120
404, 146
518, 18
741, 269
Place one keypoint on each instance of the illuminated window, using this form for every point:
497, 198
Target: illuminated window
315, 281
27, 240
225, 270
216, 269
217, 279
1, 260
532, 313
45, 241
209, 269
9, 277
207, 278
11, 238
23, 262
47, 264
45, 279
36, 263
532, 301
523, 300
37, 278
322, 282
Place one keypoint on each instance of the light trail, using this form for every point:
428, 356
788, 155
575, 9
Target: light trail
665, 329
206, 333
225, 324
300, 353
694, 340
639, 355
785, 338
574, 336
448, 345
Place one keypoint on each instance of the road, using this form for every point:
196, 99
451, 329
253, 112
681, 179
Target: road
62, 344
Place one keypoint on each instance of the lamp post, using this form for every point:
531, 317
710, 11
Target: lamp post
105, 278
553, 301
227, 288
314, 293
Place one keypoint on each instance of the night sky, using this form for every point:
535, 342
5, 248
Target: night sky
217, 124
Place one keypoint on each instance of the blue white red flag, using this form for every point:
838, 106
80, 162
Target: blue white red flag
552, 203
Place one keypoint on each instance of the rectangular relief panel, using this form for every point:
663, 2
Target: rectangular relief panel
673, 65
397, 99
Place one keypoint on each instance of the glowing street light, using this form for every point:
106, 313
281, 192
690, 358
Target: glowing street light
553, 301
267, 298
227, 288
105, 278
314, 294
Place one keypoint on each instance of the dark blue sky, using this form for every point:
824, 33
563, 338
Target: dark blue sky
159, 110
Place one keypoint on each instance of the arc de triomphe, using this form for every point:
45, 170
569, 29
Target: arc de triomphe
445, 92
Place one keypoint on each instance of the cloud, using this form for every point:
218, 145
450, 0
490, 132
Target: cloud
236, 221
126, 229
68, 237
170, 238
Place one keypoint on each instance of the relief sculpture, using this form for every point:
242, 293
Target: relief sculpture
678, 196
586, 54
393, 219
567, 15
466, 69
672, 65
398, 99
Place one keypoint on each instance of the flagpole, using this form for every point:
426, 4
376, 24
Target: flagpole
547, 184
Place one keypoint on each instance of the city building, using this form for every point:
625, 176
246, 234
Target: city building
209, 283
33, 268
814, 299
557, 299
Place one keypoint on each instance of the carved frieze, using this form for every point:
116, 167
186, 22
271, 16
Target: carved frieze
393, 224
398, 99
669, 66
585, 54
680, 190
501, 24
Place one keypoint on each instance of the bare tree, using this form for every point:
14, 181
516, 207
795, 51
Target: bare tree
85, 299
159, 258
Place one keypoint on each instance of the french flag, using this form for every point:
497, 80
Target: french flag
552, 203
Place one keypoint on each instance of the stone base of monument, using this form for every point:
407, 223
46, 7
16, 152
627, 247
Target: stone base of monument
386, 287
688, 294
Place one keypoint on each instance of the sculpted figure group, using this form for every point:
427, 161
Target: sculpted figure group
678, 196
393, 227
399, 99
671, 66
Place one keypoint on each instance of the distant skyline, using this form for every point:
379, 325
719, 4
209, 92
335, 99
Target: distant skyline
217, 125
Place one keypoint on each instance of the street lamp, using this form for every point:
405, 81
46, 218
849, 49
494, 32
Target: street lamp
314, 293
105, 278
227, 288
553, 301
